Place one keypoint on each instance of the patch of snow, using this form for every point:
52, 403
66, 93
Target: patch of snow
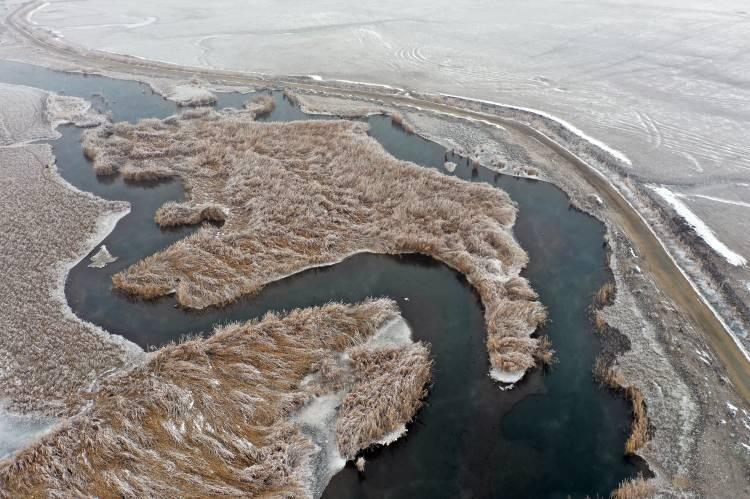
450, 166
64, 109
30, 15
601, 145
191, 95
379, 85
699, 226
19, 430
391, 437
732, 409
507, 377
102, 258
747, 447
395, 332
315, 77
718, 200
457, 116
317, 420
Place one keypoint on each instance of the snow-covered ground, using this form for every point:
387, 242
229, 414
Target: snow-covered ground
665, 84
18, 430
700, 227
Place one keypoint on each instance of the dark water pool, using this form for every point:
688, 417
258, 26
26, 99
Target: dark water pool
557, 434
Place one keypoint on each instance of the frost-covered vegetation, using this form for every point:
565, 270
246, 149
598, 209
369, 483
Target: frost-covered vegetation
297, 195
390, 385
28, 114
46, 353
260, 105
610, 376
210, 417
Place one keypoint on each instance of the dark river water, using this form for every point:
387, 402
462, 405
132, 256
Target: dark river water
556, 434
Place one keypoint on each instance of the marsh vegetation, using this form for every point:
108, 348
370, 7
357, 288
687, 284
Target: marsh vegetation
291, 196
207, 417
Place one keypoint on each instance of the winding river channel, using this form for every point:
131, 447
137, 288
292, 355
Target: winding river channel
556, 434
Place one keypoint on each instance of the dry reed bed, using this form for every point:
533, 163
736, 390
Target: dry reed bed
634, 488
304, 194
213, 416
260, 105
391, 384
46, 353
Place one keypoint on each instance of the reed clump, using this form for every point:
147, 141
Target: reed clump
639, 432
305, 194
173, 214
634, 488
213, 417
399, 120
639, 429
397, 379
605, 295
261, 105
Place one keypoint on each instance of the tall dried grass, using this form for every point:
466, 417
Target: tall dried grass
47, 354
260, 105
605, 294
303, 194
389, 388
634, 488
639, 433
211, 416
399, 119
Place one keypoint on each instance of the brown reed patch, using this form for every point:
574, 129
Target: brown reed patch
210, 417
634, 488
605, 295
304, 194
397, 379
399, 119
260, 105
612, 378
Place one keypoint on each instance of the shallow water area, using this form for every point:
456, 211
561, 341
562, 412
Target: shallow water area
557, 433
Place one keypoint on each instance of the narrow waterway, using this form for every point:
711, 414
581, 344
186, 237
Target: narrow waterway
556, 434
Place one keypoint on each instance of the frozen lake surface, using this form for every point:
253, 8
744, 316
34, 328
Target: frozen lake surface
666, 82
